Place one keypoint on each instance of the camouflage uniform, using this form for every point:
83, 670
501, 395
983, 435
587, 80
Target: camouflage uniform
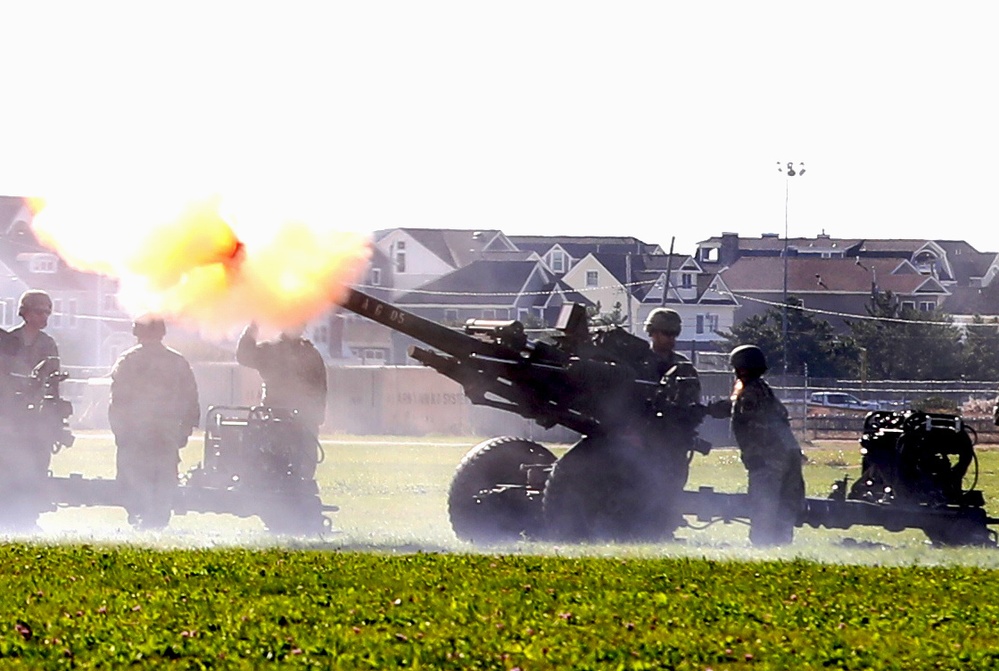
676, 431
294, 379
24, 457
29, 356
772, 457
154, 407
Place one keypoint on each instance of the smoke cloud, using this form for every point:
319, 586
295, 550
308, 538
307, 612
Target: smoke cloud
210, 262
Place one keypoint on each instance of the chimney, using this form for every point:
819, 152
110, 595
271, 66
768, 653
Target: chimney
729, 251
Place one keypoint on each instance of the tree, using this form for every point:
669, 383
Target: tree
812, 343
980, 350
903, 343
615, 317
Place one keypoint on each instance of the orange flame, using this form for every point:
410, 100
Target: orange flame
188, 263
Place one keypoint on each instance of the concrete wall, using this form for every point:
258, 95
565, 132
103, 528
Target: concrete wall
365, 400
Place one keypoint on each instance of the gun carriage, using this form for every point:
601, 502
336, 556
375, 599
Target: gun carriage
245, 470
609, 485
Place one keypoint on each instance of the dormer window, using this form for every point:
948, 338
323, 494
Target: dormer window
686, 280
43, 263
558, 262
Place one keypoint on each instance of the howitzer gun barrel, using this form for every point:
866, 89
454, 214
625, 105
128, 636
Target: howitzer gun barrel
436, 335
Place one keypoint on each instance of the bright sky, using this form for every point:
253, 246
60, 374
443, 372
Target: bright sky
653, 119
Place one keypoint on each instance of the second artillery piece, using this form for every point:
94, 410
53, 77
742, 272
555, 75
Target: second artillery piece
614, 484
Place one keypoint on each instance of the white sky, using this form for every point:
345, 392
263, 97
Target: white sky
653, 119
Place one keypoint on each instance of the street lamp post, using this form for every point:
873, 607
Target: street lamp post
789, 171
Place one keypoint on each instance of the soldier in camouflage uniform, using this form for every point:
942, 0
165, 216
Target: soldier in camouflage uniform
680, 388
294, 380
24, 455
769, 451
34, 345
154, 408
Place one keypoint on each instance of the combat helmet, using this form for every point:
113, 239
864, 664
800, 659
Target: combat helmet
748, 357
148, 326
664, 320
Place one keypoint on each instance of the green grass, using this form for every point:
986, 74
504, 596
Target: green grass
214, 591
91, 607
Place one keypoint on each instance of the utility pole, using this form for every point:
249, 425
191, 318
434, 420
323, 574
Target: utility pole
789, 172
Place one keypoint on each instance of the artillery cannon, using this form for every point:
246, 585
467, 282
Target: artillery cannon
611, 485
245, 470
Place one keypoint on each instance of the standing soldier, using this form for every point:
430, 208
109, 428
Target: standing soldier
769, 451
680, 389
294, 380
35, 345
154, 408
26, 454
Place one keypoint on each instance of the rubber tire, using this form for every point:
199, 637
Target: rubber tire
498, 518
295, 510
605, 489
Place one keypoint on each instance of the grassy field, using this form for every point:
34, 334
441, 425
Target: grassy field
392, 587
392, 494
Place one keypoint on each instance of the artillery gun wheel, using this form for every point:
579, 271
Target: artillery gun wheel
481, 509
293, 510
606, 488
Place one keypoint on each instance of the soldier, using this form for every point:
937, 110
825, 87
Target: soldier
680, 389
769, 451
34, 345
25, 454
154, 408
294, 380
663, 326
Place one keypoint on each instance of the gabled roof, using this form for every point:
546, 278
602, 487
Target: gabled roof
579, 246
972, 301
966, 262
19, 246
9, 207
763, 274
456, 247
478, 283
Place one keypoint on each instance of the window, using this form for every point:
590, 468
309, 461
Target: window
927, 306
376, 277
400, 256
592, 278
43, 263
709, 254
558, 262
706, 323
55, 321
373, 355
909, 304
687, 280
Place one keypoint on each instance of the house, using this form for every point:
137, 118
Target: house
421, 255
835, 288
561, 253
837, 275
86, 322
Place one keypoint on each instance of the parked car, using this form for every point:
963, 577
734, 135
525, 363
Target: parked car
838, 399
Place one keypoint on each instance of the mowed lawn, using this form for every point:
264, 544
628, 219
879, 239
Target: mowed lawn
392, 587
